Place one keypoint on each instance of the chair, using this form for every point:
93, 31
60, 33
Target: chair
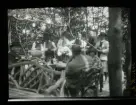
87, 81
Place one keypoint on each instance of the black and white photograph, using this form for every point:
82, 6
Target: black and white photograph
69, 52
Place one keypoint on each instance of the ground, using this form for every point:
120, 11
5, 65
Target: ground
105, 92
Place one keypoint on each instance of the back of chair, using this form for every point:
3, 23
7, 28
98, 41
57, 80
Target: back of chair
89, 80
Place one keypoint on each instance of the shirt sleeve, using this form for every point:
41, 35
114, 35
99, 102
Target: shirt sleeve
69, 70
83, 44
68, 42
72, 41
106, 45
54, 46
59, 43
33, 46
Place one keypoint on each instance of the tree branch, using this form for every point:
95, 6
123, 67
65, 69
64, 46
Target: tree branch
37, 20
36, 64
57, 84
14, 81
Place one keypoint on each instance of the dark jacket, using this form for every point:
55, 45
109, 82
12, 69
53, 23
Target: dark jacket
75, 68
78, 66
13, 57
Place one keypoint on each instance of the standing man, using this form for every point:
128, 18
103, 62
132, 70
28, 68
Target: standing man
103, 50
80, 42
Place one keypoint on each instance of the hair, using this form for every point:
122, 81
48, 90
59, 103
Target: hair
103, 35
76, 49
91, 49
77, 41
64, 34
92, 40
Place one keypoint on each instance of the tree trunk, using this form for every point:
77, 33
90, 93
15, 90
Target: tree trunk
128, 59
86, 23
115, 52
9, 35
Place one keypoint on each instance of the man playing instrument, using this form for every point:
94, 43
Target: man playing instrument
80, 42
103, 50
63, 46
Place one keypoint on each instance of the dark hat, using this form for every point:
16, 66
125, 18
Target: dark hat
76, 49
15, 44
64, 33
91, 49
102, 34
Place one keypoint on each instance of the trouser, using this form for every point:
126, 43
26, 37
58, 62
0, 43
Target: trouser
73, 92
104, 73
101, 81
49, 54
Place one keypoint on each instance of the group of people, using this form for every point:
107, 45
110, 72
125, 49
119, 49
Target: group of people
96, 57
81, 55
61, 49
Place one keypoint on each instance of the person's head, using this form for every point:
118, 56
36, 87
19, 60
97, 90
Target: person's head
92, 52
15, 46
48, 39
64, 35
79, 36
91, 40
78, 42
102, 36
76, 49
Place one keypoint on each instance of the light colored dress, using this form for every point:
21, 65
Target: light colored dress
63, 47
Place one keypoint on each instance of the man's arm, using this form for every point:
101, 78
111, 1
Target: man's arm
33, 46
54, 46
83, 44
69, 69
106, 50
59, 43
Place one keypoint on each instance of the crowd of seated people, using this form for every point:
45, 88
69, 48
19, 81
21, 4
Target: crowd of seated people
81, 55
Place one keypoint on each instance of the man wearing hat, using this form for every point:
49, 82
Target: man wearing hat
13, 55
78, 64
79, 41
103, 50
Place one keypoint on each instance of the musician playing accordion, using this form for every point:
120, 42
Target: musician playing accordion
63, 47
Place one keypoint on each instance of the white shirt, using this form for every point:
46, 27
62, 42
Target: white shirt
83, 43
105, 50
60, 42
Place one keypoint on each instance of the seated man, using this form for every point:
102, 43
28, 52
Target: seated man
14, 56
63, 47
79, 63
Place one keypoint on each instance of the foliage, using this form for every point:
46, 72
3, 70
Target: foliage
54, 21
